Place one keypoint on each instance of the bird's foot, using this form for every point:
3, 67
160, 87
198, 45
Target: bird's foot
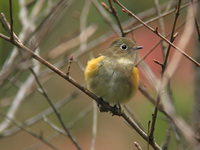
117, 109
102, 105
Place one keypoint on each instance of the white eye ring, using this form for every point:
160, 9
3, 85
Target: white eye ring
124, 47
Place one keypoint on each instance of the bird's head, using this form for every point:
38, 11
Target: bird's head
124, 47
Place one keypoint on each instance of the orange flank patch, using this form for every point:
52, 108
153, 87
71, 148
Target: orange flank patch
135, 78
92, 67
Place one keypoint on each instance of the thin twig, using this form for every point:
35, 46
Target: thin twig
140, 131
50, 103
39, 137
27, 27
81, 115
155, 31
116, 17
55, 127
105, 105
83, 24
148, 53
69, 44
105, 16
163, 66
70, 60
156, 18
137, 145
170, 3
18, 99
23, 89
146, 14
161, 24
172, 36
186, 35
148, 131
196, 22
127, 109
56, 113
165, 145
94, 126
154, 116
11, 19
197, 28
38, 117
106, 7
48, 22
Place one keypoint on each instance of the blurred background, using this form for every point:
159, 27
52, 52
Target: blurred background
57, 31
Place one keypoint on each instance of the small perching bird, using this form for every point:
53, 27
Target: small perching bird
114, 76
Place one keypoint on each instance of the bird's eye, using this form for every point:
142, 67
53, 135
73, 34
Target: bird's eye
124, 47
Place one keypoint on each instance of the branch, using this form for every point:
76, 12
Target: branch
94, 126
18, 99
172, 36
83, 24
11, 19
116, 17
155, 31
155, 18
56, 113
154, 117
161, 24
22, 94
100, 102
80, 115
31, 133
105, 16
39, 116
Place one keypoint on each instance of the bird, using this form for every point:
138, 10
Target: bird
114, 76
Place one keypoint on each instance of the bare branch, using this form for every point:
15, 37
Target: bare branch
155, 18
172, 36
105, 16
161, 24
83, 24
157, 33
137, 145
39, 137
18, 99
56, 113
94, 126
116, 17
11, 19
55, 127
39, 116
80, 115
105, 105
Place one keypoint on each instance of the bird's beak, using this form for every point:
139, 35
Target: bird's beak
137, 47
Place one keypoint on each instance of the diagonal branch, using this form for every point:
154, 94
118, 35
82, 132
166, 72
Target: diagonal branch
56, 112
39, 137
116, 17
11, 19
124, 9
100, 102
172, 36
154, 117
